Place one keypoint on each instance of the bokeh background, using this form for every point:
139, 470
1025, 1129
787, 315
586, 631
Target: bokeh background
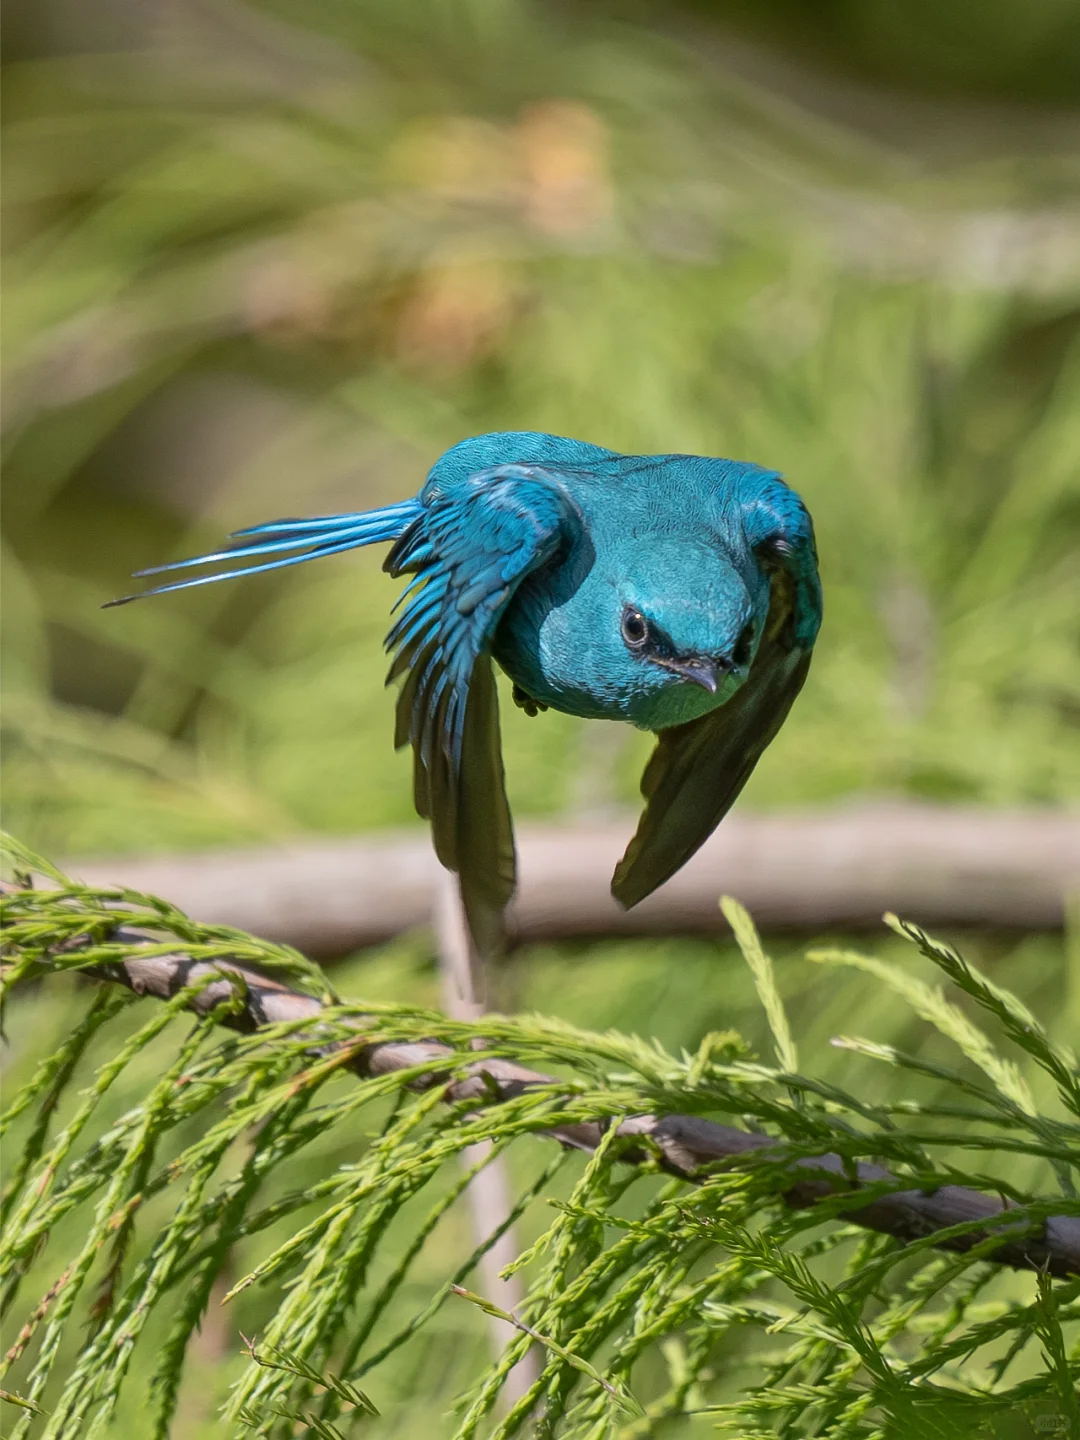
273, 258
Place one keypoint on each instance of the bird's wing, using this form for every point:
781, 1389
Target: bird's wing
697, 770
468, 552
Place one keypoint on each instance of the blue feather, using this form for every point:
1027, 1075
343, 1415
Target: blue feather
326, 535
402, 508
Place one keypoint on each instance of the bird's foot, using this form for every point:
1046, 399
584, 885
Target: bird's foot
526, 701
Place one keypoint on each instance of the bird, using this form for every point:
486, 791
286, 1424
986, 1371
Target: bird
677, 593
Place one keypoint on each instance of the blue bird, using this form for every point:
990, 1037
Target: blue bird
676, 592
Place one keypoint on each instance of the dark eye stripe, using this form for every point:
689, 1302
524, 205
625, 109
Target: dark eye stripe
741, 653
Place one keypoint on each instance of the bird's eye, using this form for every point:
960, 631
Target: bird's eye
741, 653
635, 628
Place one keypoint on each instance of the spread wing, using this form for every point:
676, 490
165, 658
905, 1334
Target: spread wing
697, 770
469, 550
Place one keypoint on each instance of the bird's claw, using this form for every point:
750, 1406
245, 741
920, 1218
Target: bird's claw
526, 702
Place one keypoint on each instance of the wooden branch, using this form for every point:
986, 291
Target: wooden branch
489, 1195
686, 1142
937, 865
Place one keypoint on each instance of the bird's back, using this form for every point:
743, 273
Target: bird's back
620, 496
468, 458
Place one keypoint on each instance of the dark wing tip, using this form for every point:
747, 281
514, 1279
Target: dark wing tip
123, 600
629, 885
620, 892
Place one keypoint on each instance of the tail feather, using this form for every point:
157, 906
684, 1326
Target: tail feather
407, 509
321, 535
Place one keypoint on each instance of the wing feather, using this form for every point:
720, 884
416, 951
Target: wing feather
471, 548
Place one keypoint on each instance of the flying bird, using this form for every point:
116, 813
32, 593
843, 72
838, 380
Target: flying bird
678, 593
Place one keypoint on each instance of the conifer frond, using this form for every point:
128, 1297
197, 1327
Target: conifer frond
247, 1145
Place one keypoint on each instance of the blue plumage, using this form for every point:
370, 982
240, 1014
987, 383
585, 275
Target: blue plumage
675, 592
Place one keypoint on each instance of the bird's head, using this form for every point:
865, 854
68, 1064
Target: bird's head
687, 623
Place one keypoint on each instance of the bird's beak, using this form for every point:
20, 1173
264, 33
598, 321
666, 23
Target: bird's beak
701, 670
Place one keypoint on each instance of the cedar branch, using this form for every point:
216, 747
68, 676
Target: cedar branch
686, 1142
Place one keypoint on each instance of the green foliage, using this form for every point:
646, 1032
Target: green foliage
931, 45
647, 1298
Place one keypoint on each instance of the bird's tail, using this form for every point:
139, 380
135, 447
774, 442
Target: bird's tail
288, 542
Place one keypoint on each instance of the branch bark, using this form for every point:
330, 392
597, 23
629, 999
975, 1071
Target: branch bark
686, 1142
938, 865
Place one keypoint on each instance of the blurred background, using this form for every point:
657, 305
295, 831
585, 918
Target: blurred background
273, 259
270, 258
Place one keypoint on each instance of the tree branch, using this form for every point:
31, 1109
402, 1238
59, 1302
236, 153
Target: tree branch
939, 865
685, 1142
